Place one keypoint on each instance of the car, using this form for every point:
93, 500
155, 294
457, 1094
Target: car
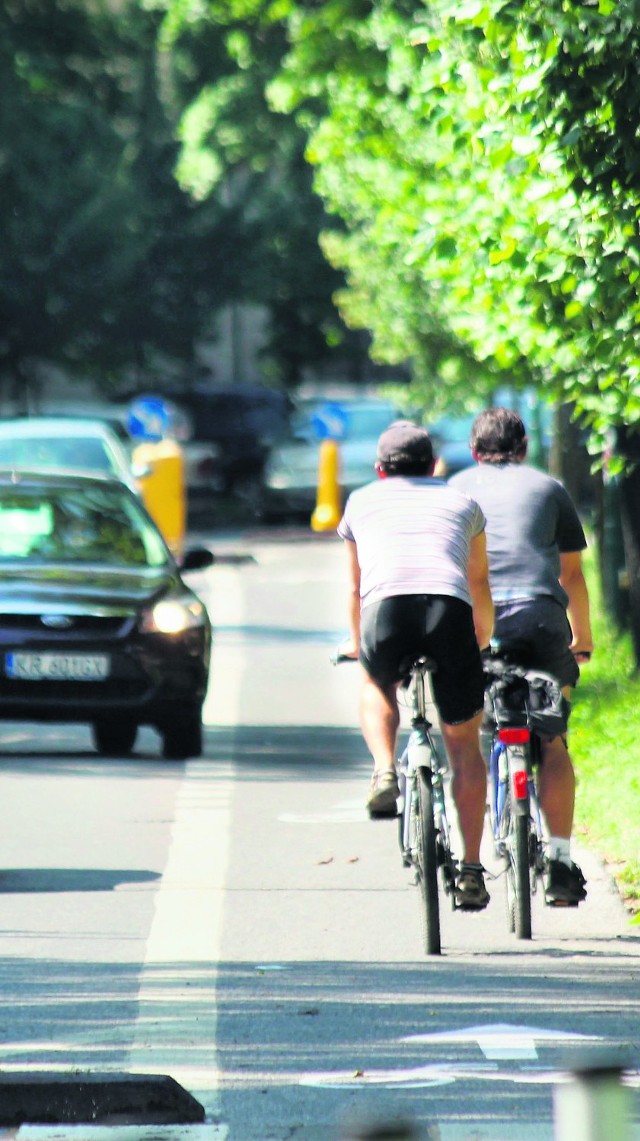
70, 443
450, 435
232, 432
289, 488
97, 624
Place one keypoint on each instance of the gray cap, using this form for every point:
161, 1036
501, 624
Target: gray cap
405, 442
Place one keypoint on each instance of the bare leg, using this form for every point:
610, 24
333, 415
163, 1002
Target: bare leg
379, 720
469, 782
557, 787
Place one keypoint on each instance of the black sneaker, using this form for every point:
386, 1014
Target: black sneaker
471, 893
564, 885
383, 794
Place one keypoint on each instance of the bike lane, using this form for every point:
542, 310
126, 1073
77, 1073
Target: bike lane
327, 1009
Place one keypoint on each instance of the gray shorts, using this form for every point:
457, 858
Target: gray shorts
537, 633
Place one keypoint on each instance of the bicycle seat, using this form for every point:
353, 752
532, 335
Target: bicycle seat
421, 664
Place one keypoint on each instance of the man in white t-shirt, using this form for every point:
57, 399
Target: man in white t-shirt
419, 585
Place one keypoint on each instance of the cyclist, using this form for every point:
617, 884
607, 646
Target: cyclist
534, 545
419, 585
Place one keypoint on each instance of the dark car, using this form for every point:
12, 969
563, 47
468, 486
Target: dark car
236, 428
96, 622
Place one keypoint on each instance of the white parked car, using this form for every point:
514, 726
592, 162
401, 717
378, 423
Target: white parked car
68, 444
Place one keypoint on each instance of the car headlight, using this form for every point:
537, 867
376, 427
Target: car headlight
173, 617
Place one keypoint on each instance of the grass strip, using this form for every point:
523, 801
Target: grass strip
605, 746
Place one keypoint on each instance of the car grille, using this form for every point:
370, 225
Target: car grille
80, 693
84, 626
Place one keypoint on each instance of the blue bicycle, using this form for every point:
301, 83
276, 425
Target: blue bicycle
522, 705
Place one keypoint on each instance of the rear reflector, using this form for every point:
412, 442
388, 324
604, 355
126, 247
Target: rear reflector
520, 784
514, 736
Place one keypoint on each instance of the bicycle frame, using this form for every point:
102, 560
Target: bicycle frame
515, 812
425, 838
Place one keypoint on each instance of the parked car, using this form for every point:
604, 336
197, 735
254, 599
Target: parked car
233, 431
69, 443
290, 483
97, 624
450, 435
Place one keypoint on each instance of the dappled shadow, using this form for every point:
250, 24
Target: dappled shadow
318, 1042
34, 880
275, 751
271, 751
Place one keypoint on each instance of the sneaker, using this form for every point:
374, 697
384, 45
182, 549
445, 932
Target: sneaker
383, 793
564, 885
471, 893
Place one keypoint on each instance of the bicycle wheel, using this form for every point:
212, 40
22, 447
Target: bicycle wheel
519, 849
427, 861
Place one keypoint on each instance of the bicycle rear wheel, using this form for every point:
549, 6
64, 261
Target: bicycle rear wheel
427, 861
520, 875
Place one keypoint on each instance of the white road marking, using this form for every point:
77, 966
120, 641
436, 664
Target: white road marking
502, 1042
183, 947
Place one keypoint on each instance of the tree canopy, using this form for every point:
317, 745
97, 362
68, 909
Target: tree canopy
480, 160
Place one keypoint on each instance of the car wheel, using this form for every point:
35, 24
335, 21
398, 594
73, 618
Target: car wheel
114, 739
183, 739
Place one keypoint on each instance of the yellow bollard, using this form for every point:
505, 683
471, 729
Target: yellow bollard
164, 490
328, 510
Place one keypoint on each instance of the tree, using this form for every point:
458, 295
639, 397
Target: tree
105, 265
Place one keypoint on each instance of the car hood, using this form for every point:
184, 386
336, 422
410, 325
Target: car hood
90, 589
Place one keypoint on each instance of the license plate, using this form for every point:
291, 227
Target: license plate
57, 667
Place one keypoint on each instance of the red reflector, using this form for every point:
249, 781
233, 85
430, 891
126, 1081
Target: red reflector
520, 784
514, 736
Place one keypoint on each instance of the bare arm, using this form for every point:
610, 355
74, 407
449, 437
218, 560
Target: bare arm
572, 580
351, 648
481, 601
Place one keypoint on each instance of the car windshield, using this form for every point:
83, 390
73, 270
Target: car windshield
71, 524
361, 421
57, 451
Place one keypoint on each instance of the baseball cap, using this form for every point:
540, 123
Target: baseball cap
405, 442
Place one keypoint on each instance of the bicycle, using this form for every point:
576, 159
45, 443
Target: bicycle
522, 705
425, 835
424, 832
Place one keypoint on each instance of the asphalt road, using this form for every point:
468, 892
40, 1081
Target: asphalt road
238, 923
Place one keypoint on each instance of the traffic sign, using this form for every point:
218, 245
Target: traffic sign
330, 422
150, 418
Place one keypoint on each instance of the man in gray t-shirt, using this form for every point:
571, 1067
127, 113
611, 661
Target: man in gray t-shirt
534, 544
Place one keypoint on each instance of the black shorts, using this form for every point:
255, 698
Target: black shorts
537, 632
396, 631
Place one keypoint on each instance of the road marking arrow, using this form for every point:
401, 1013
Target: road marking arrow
501, 1042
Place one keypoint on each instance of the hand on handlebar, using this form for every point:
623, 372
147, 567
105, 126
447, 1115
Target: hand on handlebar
345, 652
582, 655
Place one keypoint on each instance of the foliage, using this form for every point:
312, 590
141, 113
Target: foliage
605, 748
237, 149
481, 159
105, 263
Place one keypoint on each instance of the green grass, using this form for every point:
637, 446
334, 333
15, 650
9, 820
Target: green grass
604, 739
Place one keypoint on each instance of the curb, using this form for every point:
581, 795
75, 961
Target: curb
96, 1098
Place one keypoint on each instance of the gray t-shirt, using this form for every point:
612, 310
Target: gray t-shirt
531, 519
412, 536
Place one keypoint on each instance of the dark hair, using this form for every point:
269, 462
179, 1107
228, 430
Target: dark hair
498, 435
406, 467
405, 448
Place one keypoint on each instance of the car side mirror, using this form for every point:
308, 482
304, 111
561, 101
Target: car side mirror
196, 558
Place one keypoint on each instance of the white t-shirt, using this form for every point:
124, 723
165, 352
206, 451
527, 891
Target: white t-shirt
412, 536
